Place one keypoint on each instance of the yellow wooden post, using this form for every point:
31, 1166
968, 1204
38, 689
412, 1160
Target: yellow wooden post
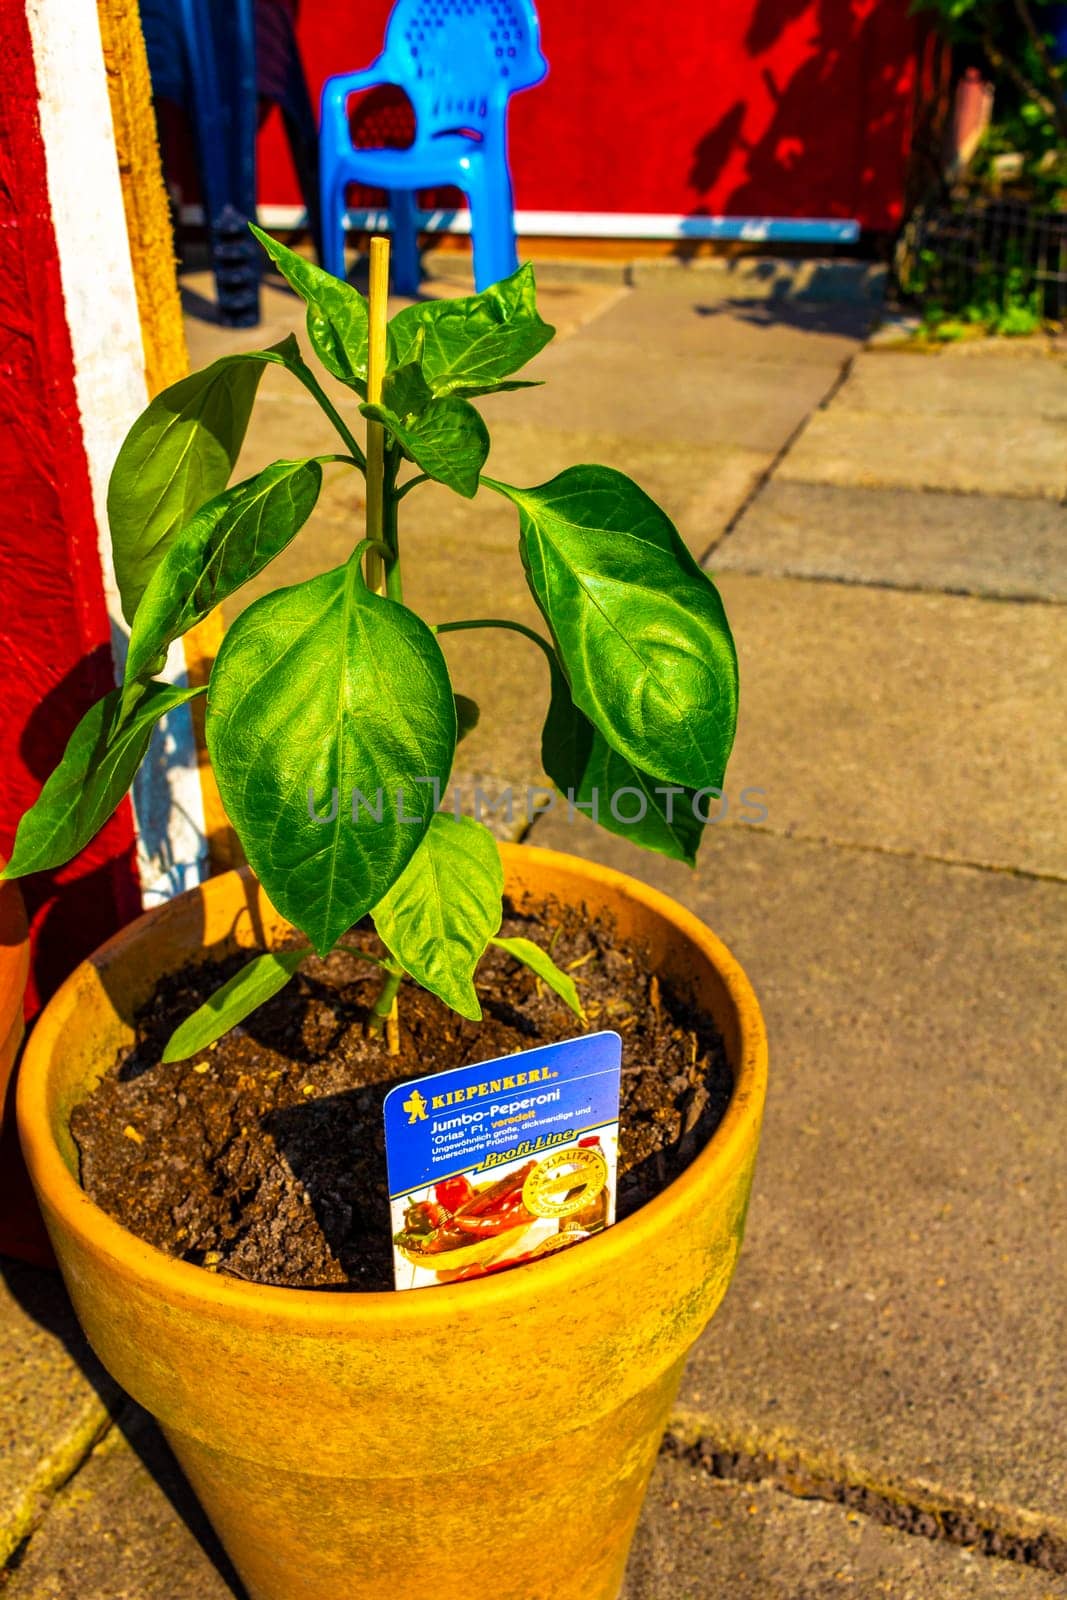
159, 307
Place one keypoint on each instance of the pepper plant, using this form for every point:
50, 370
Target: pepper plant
331, 721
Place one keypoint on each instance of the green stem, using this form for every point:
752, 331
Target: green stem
412, 483
390, 532
499, 622
315, 389
383, 1005
364, 545
364, 955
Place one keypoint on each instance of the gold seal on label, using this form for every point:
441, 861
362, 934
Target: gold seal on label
564, 1182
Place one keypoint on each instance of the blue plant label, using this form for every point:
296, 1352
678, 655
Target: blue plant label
503, 1162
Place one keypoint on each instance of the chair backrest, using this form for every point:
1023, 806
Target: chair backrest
460, 59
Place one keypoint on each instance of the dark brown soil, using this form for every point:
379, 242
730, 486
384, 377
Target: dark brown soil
263, 1157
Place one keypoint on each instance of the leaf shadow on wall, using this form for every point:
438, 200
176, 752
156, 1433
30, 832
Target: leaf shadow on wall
818, 123
73, 908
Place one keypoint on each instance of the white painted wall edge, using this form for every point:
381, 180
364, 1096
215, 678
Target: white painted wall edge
593, 224
85, 190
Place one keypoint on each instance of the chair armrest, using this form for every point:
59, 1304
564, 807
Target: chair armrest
335, 91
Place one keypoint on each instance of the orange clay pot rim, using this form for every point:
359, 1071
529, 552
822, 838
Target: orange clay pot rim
731, 1142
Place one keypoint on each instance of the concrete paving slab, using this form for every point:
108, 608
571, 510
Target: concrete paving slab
126, 1528
1018, 455
933, 754
691, 326
701, 487
897, 1313
960, 544
637, 391
898, 382
764, 277
453, 265
700, 1539
54, 1397
919, 723
567, 306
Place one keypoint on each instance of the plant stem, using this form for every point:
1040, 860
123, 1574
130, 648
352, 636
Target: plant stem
412, 483
390, 531
499, 622
315, 389
385, 1004
377, 320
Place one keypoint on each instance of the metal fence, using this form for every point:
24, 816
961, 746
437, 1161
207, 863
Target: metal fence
987, 257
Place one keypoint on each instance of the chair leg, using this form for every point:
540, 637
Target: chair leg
492, 227
298, 116
406, 270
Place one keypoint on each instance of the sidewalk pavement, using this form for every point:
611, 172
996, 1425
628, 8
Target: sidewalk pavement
878, 1407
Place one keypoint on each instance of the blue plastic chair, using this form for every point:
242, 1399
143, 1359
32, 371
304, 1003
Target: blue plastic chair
459, 61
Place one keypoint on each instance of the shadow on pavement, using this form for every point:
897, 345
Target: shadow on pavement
807, 316
42, 1297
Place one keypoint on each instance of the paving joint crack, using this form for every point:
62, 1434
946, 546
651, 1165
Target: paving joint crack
899, 853
839, 379
786, 574
905, 1509
35, 1508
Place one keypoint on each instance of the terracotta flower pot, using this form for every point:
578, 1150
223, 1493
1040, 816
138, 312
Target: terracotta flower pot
14, 970
490, 1439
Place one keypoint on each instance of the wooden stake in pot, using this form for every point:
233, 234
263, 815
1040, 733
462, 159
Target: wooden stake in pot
378, 318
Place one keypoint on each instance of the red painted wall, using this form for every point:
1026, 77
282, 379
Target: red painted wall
55, 657
772, 107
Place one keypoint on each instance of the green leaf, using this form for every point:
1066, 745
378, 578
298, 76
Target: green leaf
448, 440
610, 790
639, 629
324, 687
467, 716
438, 917
228, 541
179, 453
405, 392
539, 961
246, 990
97, 768
472, 344
336, 316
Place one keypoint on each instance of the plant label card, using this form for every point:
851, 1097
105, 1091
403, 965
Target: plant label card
503, 1162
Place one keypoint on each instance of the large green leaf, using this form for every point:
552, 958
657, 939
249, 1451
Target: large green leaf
227, 542
610, 790
540, 962
438, 917
263, 977
318, 688
470, 346
179, 453
97, 768
446, 437
640, 630
336, 315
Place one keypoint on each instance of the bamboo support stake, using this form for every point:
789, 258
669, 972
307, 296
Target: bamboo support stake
378, 317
